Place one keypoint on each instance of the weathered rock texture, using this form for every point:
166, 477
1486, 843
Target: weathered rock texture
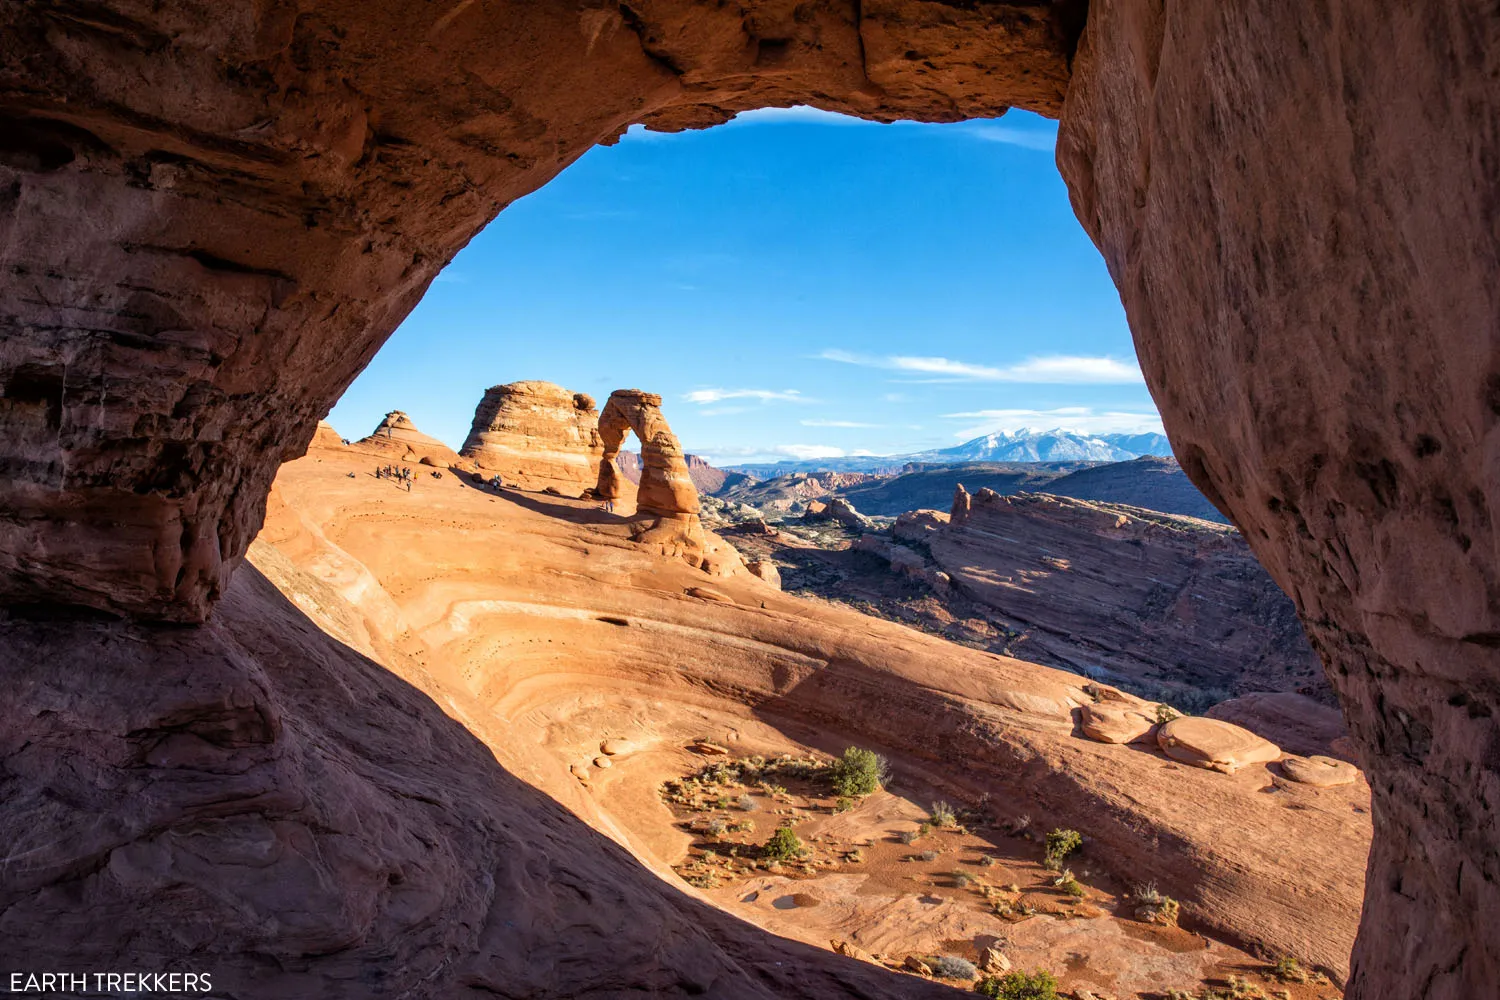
706, 478
214, 214
398, 439
1296, 202
665, 486
536, 434
1172, 606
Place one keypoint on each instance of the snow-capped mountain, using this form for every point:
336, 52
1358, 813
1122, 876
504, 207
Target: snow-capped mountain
1056, 445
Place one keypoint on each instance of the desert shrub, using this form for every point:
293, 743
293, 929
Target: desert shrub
1165, 713
743, 826
1154, 907
952, 967
1071, 886
716, 827
1041, 985
963, 879
1289, 970
1019, 824
1060, 844
987, 861
784, 845
858, 773
909, 836
928, 856
843, 804
855, 856
943, 815
746, 803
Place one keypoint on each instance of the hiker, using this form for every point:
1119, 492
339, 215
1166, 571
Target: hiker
609, 505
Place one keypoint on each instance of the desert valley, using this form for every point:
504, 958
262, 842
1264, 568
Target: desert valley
644, 668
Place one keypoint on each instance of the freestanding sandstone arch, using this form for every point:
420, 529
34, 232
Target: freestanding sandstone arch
665, 487
213, 215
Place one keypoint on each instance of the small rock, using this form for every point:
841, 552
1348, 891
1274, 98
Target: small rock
1320, 772
580, 771
710, 594
710, 749
603, 762
1115, 723
918, 966
851, 950
1215, 745
993, 961
615, 747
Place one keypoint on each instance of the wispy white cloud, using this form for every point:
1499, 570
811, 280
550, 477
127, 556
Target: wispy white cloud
703, 397
1041, 137
1082, 419
1060, 369
732, 454
835, 423
798, 114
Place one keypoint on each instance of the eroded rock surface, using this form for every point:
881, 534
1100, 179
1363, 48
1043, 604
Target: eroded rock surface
1323, 354
398, 439
1125, 594
536, 434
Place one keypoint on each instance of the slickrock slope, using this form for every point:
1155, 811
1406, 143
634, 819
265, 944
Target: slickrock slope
1129, 594
212, 222
536, 435
397, 439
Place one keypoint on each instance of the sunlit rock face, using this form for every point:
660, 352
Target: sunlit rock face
1296, 204
214, 214
536, 435
665, 486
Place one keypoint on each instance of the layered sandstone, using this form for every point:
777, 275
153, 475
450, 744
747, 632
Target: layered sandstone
211, 221
706, 478
397, 438
665, 487
1160, 602
536, 435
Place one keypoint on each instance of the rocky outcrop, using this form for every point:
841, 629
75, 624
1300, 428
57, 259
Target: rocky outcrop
1163, 603
397, 439
1294, 722
839, 511
536, 435
1215, 745
665, 486
707, 480
1323, 354
326, 437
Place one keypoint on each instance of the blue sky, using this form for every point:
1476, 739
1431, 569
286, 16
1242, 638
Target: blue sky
794, 283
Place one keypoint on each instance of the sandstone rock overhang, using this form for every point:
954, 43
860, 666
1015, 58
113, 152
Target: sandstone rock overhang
212, 222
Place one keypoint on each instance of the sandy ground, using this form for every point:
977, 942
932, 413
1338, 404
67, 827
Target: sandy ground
543, 629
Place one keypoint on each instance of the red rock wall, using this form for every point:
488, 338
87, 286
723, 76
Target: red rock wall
1297, 204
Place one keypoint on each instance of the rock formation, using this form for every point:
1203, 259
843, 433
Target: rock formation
212, 220
397, 439
535, 435
326, 437
1215, 745
1126, 595
706, 479
665, 488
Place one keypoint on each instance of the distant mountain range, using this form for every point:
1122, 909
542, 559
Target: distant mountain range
1056, 445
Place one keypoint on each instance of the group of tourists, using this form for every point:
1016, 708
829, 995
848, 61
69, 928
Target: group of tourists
401, 475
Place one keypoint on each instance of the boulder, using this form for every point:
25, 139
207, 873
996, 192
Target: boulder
1106, 722
915, 964
1294, 722
766, 570
919, 525
614, 747
1215, 745
992, 961
850, 950
1322, 772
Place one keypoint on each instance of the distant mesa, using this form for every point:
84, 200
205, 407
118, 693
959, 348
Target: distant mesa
708, 479
536, 434
398, 439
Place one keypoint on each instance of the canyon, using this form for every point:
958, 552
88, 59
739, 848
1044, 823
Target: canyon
213, 216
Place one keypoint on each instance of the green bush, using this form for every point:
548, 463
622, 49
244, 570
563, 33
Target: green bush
1165, 713
1019, 986
943, 815
858, 773
784, 845
1061, 843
